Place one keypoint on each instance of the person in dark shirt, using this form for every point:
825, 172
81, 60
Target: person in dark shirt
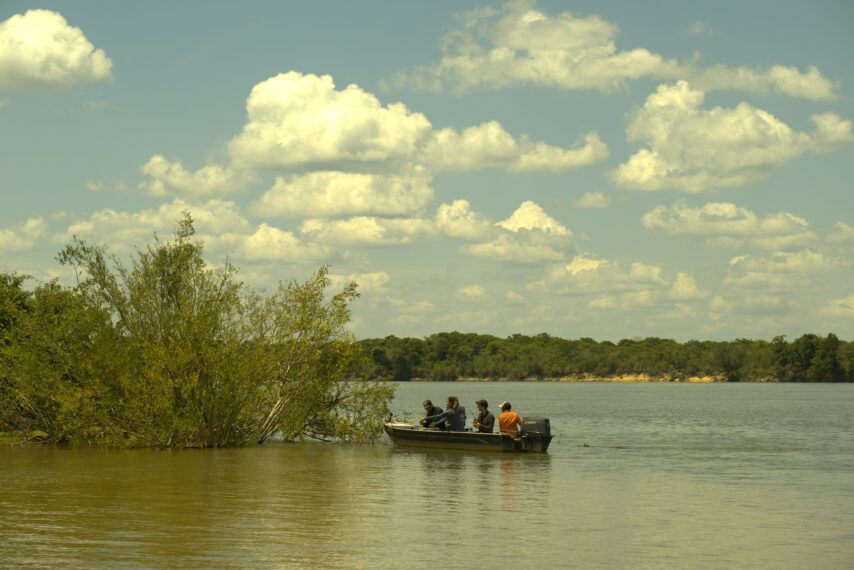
454, 417
485, 421
429, 410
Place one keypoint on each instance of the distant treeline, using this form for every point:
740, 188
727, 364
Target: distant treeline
451, 356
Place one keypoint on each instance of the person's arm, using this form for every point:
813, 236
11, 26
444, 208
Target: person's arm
438, 417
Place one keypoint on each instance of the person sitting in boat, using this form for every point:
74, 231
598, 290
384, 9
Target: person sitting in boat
485, 421
509, 422
430, 410
453, 418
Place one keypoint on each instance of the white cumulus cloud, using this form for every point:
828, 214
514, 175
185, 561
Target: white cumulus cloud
607, 286
778, 78
505, 248
332, 193
593, 200
123, 231
489, 145
695, 150
529, 235
472, 291
841, 233
170, 177
40, 49
297, 119
513, 296
583, 263
725, 224
268, 243
685, 289
302, 122
458, 220
22, 236
626, 301
530, 216
842, 307
804, 261
587, 274
366, 230
518, 43
781, 270
370, 282
219, 226
643, 273
760, 304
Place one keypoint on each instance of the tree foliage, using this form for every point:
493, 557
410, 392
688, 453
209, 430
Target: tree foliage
171, 352
448, 356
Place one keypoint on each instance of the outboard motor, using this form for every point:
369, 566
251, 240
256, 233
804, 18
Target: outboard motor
536, 433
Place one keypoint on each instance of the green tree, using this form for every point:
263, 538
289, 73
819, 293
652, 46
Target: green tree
846, 360
13, 300
172, 352
783, 358
56, 358
803, 351
730, 358
825, 365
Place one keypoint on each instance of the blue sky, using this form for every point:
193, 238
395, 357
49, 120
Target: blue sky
586, 169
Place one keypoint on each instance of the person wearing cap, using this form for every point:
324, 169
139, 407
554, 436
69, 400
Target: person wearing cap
429, 410
485, 421
454, 416
508, 420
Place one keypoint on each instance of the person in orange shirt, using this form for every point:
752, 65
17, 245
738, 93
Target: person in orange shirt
509, 421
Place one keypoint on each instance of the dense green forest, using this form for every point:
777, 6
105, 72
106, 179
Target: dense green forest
171, 352
451, 356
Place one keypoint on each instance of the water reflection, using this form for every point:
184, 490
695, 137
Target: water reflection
495, 483
245, 507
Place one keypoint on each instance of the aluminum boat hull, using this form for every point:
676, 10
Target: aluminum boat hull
408, 435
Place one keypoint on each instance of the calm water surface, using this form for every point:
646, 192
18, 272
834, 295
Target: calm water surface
674, 476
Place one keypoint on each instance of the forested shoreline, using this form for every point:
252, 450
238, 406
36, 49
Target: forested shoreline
455, 356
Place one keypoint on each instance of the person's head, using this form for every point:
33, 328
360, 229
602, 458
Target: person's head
482, 404
453, 402
506, 407
427, 404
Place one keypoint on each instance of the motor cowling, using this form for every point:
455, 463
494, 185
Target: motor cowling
535, 434
539, 426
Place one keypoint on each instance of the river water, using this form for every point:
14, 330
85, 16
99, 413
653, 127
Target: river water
672, 476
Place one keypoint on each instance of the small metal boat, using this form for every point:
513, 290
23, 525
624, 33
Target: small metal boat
535, 436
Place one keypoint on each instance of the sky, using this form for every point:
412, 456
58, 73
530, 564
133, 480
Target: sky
583, 169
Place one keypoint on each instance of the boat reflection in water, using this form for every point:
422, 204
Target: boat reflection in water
534, 436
